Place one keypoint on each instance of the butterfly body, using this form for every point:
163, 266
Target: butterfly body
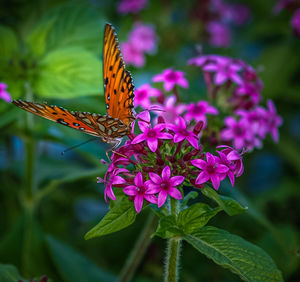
119, 94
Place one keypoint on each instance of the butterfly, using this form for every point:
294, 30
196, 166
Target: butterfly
119, 95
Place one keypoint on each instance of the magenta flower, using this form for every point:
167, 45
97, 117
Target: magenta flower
169, 110
273, 120
142, 95
143, 38
4, 94
220, 34
211, 170
165, 185
235, 159
141, 191
181, 133
295, 22
238, 131
151, 135
248, 89
114, 179
170, 78
131, 55
198, 111
225, 70
131, 6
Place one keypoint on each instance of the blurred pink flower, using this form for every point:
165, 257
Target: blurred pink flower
131, 6
142, 95
219, 34
295, 22
212, 170
131, 55
225, 70
273, 120
169, 110
141, 191
198, 111
4, 94
166, 185
238, 132
143, 38
170, 78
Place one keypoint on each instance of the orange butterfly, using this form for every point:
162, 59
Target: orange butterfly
119, 96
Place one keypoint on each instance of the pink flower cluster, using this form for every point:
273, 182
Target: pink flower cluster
218, 15
141, 40
155, 163
169, 108
131, 6
238, 82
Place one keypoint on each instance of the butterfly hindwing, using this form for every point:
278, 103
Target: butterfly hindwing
118, 84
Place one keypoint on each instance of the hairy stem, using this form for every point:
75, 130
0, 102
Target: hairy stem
173, 249
139, 249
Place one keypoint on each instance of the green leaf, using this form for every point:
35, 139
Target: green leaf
9, 273
120, 216
250, 262
229, 205
190, 196
167, 227
69, 24
8, 42
195, 217
69, 72
37, 39
73, 266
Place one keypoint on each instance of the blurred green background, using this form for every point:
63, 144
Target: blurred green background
51, 51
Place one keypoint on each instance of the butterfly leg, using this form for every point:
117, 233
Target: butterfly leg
115, 144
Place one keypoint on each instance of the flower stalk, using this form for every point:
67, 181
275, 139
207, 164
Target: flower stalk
173, 249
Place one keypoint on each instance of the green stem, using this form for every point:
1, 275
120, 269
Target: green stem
173, 249
29, 152
139, 249
29, 189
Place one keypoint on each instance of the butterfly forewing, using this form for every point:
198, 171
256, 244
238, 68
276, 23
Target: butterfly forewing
118, 84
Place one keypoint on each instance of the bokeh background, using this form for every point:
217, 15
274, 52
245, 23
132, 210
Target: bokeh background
51, 51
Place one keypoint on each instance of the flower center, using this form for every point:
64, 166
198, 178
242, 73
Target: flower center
171, 76
210, 169
183, 132
199, 109
239, 130
141, 94
151, 134
140, 189
164, 185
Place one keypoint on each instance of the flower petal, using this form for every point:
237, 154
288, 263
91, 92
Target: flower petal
221, 168
130, 190
162, 196
176, 180
138, 202
138, 180
152, 144
174, 193
138, 139
215, 180
155, 178
151, 198
193, 141
199, 163
202, 177
166, 173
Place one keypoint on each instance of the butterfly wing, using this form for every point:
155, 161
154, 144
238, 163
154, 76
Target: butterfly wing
93, 124
118, 85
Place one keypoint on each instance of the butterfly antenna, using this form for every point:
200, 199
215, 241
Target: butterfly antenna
78, 145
